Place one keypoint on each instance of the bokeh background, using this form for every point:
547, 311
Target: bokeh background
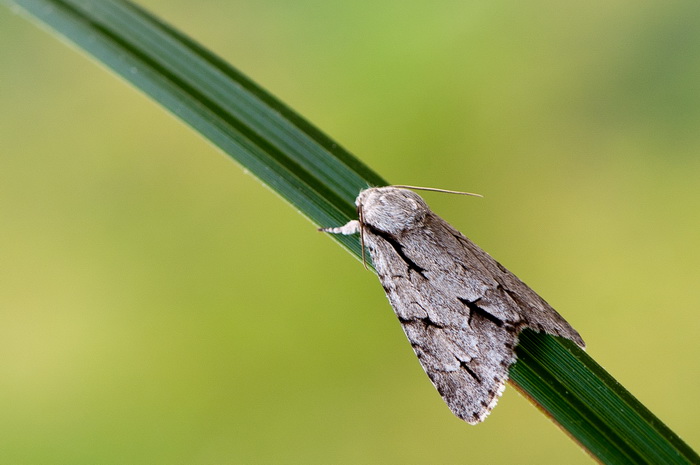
158, 305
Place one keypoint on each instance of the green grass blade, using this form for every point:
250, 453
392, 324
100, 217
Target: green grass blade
583, 398
321, 180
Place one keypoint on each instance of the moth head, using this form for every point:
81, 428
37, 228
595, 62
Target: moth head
390, 209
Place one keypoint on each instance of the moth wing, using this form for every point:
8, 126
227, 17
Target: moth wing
509, 298
464, 349
467, 365
461, 311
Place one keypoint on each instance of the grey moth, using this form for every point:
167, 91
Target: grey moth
461, 310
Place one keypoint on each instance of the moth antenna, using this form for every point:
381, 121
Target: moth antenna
362, 236
434, 189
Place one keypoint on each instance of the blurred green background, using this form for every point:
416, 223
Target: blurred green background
157, 305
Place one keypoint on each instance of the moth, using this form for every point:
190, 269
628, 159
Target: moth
461, 310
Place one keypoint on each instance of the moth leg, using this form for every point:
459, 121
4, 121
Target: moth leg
351, 227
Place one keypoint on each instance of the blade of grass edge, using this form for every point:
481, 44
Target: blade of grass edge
320, 179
